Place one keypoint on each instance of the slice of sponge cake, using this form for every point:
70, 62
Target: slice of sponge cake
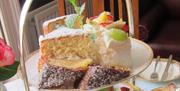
70, 44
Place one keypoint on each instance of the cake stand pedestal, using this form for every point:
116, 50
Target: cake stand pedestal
141, 58
141, 53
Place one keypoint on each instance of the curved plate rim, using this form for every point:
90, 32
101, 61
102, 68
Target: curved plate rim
143, 67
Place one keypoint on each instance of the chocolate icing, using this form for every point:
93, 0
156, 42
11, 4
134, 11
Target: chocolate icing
98, 76
60, 77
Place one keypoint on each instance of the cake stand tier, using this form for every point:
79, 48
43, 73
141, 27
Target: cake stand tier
141, 58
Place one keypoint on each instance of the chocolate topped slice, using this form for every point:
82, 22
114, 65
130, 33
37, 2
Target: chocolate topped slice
60, 77
98, 76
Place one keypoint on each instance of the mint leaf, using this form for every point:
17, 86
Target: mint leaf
77, 9
8, 71
70, 20
93, 36
82, 9
73, 2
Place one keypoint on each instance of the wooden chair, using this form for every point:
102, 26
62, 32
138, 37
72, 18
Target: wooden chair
98, 7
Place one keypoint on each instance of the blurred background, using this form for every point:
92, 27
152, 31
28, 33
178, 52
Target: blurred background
157, 22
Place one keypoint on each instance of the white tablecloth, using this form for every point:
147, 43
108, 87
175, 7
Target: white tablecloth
148, 86
17, 85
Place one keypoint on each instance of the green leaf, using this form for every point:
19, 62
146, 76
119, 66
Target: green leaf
8, 71
77, 9
93, 36
73, 2
80, 19
70, 20
82, 9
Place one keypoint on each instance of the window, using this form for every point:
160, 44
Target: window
9, 23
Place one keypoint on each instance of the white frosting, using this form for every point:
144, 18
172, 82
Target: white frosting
62, 32
55, 19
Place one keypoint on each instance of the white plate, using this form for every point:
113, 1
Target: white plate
141, 57
173, 72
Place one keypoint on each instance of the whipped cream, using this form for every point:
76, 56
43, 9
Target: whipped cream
116, 52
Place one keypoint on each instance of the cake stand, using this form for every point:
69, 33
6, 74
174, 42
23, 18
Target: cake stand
141, 53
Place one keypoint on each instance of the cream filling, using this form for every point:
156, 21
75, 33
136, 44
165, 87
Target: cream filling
71, 64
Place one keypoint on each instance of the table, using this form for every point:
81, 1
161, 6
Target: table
17, 85
147, 86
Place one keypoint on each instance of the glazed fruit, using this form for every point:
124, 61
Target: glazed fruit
118, 34
103, 17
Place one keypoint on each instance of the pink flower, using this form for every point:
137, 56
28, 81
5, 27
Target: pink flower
7, 56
